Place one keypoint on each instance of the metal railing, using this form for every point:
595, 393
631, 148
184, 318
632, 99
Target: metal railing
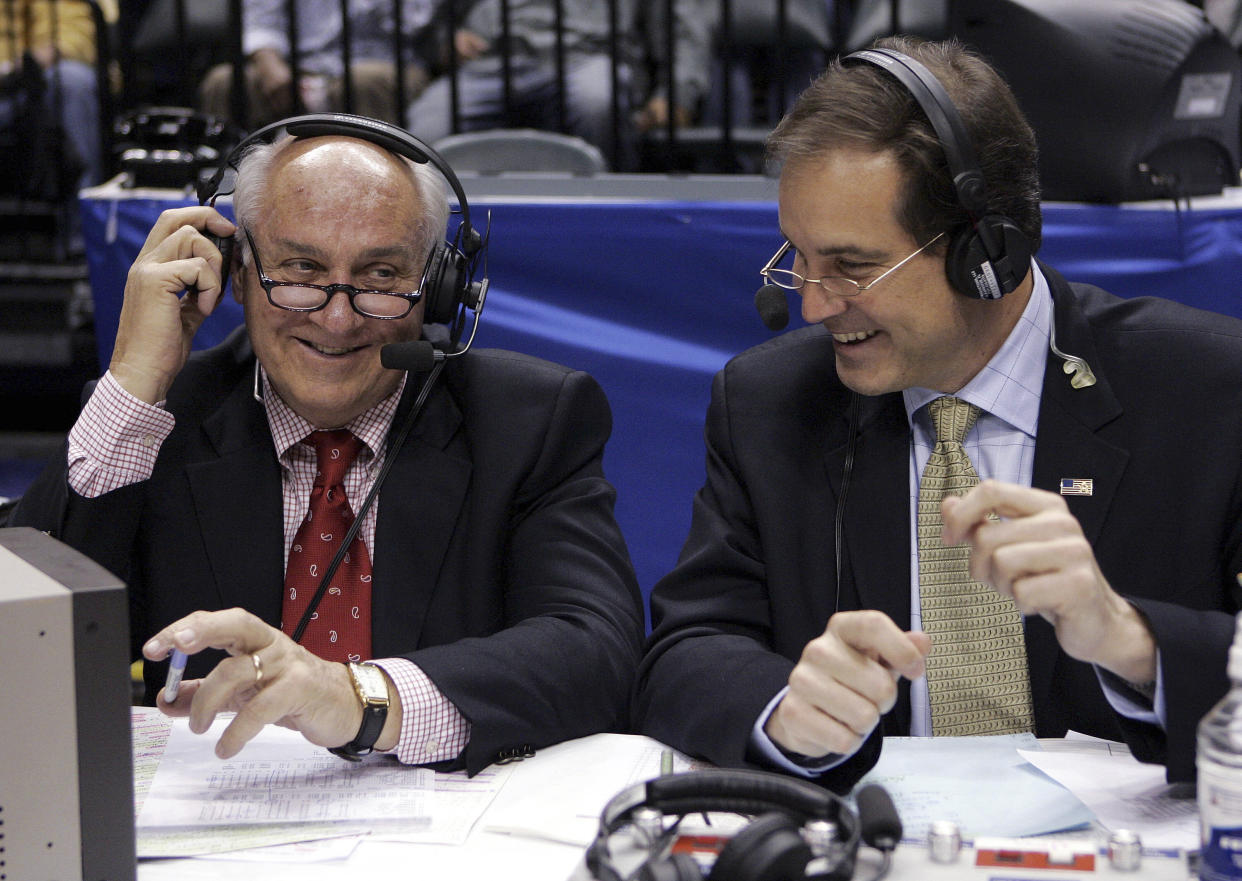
713, 139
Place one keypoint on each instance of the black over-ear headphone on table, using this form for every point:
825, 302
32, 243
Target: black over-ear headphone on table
988, 258
448, 279
771, 847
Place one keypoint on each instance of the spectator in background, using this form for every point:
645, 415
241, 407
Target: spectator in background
56, 39
321, 83
694, 23
767, 67
480, 50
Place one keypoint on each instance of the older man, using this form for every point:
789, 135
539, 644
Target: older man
487, 607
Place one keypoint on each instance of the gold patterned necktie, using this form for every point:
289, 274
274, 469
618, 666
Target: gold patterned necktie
977, 674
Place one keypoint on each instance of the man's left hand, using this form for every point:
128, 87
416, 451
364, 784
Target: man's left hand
1037, 553
287, 686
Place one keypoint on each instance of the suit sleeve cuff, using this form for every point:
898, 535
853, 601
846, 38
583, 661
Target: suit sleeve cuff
765, 750
1140, 704
432, 728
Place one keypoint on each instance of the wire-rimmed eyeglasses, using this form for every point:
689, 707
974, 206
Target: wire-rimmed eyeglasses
307, 297
833, 284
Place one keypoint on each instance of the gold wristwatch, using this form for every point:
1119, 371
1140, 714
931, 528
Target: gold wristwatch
371, 686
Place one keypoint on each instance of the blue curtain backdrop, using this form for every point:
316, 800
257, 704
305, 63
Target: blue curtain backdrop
653, 297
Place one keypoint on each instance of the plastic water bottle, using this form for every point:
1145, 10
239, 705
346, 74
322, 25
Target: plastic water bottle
1219, 762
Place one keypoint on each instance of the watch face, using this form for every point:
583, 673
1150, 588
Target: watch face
371, 683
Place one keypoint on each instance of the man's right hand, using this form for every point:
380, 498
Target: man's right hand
844, 682
158, 323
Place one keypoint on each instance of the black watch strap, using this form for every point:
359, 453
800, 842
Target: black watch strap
372, 690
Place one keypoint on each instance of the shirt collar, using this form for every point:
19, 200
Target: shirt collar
1010, 384
288, 428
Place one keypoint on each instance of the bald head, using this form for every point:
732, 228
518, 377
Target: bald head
335, 169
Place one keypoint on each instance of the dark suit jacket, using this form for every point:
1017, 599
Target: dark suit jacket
1160, 434
498, 566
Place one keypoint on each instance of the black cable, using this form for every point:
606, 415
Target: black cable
839, 520
885, 865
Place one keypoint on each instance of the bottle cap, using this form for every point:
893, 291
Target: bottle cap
1235, 650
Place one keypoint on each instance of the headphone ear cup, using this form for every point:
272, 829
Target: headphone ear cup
770, 848
678, 867
972, 272
442, 284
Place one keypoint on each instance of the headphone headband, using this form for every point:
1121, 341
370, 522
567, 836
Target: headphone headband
390, 137
992, 256
944, 118
726, 791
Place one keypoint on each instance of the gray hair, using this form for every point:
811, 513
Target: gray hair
254, 177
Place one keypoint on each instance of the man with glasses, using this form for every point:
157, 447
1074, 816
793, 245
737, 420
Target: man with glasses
486, 607
971, 498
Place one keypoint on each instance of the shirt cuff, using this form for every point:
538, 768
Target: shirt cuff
764, 748
1134, 703
432, 728
115, 440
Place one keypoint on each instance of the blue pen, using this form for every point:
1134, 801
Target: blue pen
176, 668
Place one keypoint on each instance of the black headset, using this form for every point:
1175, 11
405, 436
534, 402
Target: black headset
991, 256
448, 278
770, 848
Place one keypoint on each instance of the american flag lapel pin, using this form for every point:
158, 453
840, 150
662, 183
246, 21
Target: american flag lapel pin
1077, 486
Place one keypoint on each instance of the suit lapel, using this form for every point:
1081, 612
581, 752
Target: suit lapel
240, 475
1067, 445
419, 507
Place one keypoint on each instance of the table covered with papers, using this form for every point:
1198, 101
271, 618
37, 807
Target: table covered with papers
287, 809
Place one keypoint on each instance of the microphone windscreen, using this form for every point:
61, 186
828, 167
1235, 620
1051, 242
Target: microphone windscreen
877, 817
416, 356
773, 310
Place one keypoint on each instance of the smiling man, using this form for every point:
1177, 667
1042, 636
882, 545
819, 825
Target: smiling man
971, 498
487, 606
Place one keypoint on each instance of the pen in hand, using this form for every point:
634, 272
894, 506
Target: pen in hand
176, 668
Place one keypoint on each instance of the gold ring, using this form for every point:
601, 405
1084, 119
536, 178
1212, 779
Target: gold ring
258, 669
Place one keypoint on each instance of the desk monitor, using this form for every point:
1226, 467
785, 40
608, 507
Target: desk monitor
1129, 99
66, 767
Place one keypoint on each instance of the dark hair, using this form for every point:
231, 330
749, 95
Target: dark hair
859, 105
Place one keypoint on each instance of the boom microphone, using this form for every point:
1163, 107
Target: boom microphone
881, 827
773, 310
416, 356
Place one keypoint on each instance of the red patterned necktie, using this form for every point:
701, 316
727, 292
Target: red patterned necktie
341, 627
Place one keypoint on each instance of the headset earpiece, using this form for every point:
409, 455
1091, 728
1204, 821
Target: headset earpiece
444, 282
991, 256
972, 270
770, 848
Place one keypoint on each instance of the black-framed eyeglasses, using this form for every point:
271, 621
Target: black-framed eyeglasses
833, 284
307, 297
